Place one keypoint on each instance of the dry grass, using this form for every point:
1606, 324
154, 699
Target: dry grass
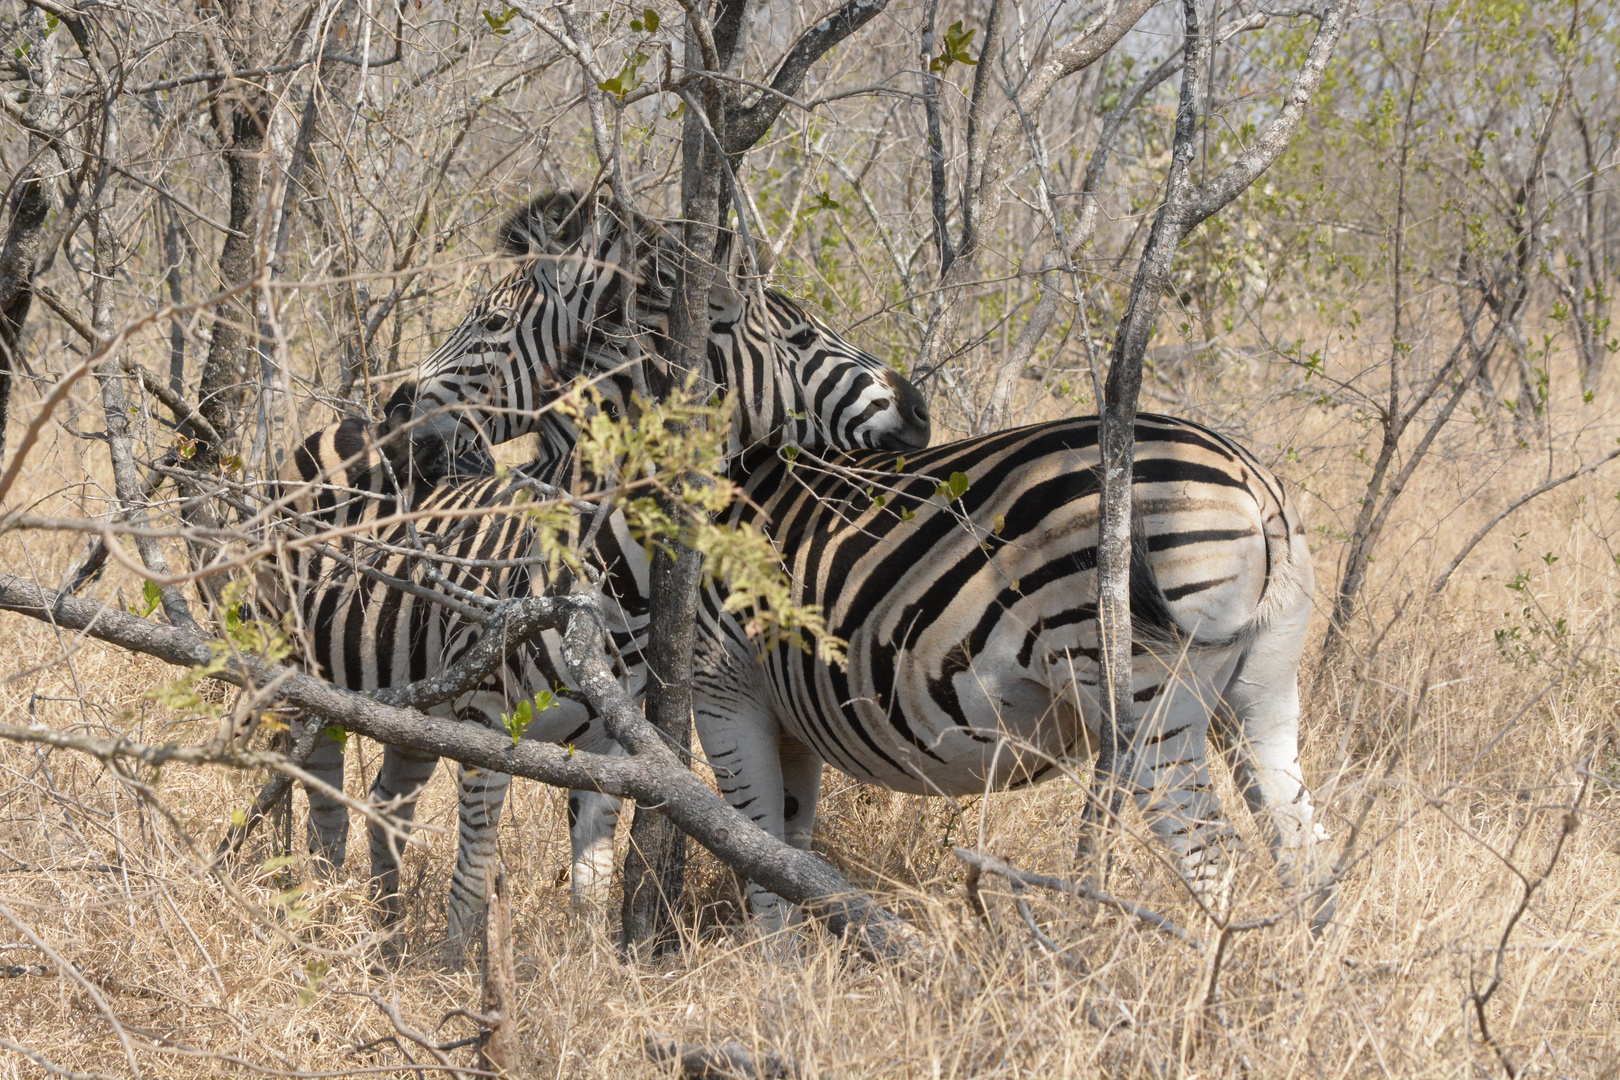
1468, 737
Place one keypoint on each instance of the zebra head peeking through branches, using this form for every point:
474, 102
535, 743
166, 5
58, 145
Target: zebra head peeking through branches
591, 300
406, 583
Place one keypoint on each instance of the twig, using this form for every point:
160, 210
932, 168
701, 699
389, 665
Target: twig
1484, 530
73, 973
990, 864
55, 1070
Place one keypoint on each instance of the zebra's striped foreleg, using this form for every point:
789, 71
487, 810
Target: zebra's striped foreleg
483, 793
1262, 698
399, 782
328, 824
1172, 788
592, 819
801, 791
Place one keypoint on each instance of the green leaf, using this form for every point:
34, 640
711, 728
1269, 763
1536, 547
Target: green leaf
955, 487
900, 464
823, 201
907, 515
999, 524
278, 862
650, 18
339, 735
1015, 587
151, 597
498, 23
954, 49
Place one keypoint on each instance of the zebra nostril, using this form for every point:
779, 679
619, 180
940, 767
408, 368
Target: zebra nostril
919, 413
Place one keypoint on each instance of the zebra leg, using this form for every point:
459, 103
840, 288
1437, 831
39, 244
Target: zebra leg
1170, 783
482, 794
1262, 698
328, 824
801, 791
742, 743
399, 782
592, 820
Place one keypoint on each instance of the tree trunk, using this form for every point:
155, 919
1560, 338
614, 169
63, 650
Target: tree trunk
1117, 437
32, 204
241, 116
655, 867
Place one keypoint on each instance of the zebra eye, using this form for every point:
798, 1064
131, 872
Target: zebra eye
495, 321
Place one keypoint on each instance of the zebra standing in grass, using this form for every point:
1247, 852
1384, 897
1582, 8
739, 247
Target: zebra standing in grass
964, 580
796, 383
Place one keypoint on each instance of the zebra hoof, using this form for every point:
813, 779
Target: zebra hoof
1324, 903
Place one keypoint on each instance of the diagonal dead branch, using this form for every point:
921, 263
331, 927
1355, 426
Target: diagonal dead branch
653, 776
990, 864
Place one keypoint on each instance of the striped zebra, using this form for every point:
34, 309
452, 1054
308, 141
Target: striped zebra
796, 383
971, 617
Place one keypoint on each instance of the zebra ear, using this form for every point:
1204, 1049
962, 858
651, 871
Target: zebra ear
725, 303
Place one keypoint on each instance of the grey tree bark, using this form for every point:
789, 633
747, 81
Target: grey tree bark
33, 200
654, 871
241, 118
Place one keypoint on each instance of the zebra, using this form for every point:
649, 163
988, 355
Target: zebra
798, 384
963, 579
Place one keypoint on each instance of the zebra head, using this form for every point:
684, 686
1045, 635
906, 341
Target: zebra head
560, 316
798, 382
592, 302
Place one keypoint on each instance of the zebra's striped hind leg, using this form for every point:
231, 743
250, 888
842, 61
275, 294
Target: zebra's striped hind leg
1262, 698
328, 825
399, 782
1171, 784
592, 821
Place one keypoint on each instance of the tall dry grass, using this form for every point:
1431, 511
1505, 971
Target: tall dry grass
1463, 727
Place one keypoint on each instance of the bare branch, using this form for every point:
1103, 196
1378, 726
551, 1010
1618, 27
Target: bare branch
747, 126
990, 864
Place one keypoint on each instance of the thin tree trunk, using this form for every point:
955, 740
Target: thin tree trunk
34, 199
115, 403
1118, 431
241, 115
655, 867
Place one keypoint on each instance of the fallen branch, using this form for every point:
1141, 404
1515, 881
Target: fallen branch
653, 776
731, 1059
990, 864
